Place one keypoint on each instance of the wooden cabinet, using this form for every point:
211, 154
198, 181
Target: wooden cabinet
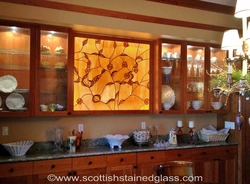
16, 173
90, 169
46, 171
72, 73
34, 70
177, 155
183, 82
216, 165
121, 166
146, 161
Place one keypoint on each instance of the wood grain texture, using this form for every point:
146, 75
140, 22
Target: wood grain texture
135, 17
199, 5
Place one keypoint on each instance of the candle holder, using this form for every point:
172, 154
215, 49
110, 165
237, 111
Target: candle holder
179, 135
191, 134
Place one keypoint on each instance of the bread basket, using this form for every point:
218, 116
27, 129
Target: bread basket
212, 137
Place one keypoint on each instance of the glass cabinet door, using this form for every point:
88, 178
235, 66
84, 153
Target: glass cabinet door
14, 70
170, 77
218, 64
195, 77
53, 72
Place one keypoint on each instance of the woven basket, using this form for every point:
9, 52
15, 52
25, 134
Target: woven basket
212, 137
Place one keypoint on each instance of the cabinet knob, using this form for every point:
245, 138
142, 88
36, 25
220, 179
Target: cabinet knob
152, 157
204, 153
69, 113
227, 151
11, 170
53, 166
90, 162
208, 111
121, 160
135, 166
179, 155
216, 159
74, 173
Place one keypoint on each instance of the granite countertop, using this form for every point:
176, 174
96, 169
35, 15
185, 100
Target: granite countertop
48, 152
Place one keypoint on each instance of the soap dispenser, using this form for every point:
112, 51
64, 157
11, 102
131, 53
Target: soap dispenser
172, 137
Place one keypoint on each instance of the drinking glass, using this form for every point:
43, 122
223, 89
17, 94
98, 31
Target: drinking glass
59, 138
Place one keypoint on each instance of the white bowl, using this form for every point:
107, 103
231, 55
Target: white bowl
115, 140
216, 105
197, 102
18, 148
167, 106
166, 70
196, 107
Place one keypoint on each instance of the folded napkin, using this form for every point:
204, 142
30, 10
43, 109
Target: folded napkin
211, 130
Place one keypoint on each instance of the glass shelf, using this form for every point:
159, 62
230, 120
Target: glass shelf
12, 51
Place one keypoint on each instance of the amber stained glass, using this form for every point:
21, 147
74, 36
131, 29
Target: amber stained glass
111, 75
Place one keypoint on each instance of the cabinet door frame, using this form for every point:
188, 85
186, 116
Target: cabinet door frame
120, 39
208, 107
31, 78
158, 76
37, 111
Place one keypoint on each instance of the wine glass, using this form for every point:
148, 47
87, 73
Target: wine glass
195, 69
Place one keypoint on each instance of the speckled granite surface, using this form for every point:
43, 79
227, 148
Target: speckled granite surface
46, 150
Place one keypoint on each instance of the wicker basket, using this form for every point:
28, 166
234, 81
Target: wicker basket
212, 137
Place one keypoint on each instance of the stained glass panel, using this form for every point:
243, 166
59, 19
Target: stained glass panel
111, 75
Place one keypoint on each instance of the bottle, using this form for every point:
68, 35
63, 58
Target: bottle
172, 137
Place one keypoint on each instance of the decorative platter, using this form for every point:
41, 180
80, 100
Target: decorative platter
8, 83
15, 101
168, 95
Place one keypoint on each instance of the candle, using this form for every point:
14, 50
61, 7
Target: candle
179, 123
191, 124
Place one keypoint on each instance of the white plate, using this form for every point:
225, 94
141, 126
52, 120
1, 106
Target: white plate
18, 109
15, 101
167, 94
8, 83
21, 91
